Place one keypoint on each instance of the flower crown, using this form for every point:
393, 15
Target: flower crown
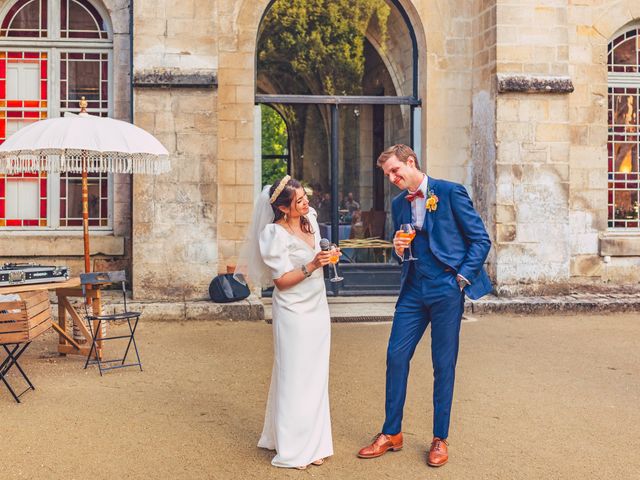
279, 188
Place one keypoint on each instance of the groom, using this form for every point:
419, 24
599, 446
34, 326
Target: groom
451, 245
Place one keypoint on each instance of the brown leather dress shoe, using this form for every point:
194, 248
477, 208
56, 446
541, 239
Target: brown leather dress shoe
438, 453
381, 444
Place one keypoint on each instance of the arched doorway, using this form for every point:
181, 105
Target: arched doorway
344, 76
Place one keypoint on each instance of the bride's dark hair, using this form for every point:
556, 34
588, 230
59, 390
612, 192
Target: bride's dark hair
284, 199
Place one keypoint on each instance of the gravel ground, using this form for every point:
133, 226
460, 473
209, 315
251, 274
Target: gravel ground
536, 398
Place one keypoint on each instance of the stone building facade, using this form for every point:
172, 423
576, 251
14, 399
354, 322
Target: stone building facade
515, 101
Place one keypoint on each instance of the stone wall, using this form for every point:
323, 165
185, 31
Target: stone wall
533, 141
175, 98
174, 215
514, 106
551, 146
446, 64
598, 255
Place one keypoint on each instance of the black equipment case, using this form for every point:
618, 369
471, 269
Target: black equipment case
28, 273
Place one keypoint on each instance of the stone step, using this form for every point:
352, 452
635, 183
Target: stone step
376, 309
370, 309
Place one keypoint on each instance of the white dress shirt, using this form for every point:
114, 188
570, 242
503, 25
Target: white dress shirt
418, 206
418, 209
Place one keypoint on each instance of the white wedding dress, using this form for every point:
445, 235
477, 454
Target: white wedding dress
297, 422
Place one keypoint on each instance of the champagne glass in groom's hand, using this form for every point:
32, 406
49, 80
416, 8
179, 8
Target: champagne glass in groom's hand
407, 232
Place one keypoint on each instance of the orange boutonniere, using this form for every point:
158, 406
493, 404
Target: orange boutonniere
432, 201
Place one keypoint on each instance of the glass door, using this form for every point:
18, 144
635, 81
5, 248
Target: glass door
364, 207
332, 149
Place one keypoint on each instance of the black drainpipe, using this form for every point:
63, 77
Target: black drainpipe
131, 61
130, 242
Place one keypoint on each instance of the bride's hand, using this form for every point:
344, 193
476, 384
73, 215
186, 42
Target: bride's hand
321, 259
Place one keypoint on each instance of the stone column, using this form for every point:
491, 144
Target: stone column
238, 29
175, 98
533, 139
483, 118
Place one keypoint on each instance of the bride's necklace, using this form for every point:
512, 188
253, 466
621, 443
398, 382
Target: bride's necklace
303, 236
291, 229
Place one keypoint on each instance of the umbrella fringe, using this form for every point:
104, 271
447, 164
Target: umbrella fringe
57, 161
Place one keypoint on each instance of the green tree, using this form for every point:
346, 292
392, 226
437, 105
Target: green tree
319, 44
274, 142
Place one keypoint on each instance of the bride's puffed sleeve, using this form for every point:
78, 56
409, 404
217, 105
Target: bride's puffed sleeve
274, 249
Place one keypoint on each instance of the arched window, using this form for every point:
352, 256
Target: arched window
624, 129
52, 53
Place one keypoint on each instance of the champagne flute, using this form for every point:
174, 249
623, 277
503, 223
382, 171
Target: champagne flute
407, 231
333, 259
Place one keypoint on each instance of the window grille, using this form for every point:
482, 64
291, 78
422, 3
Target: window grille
624, 128
31, 55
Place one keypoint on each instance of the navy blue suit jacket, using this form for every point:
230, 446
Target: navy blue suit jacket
457, 236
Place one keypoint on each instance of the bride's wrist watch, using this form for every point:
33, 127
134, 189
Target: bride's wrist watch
305, 272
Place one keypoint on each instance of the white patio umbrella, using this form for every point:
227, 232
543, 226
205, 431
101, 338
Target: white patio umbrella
80, 144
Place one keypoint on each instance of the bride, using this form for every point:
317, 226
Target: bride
297, 422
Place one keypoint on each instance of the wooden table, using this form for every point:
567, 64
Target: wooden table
65, 290
370, 242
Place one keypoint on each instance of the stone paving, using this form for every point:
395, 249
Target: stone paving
537, 397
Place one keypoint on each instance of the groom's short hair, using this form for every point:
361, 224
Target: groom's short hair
401, 151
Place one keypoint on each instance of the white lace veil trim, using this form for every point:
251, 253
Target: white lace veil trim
250, 265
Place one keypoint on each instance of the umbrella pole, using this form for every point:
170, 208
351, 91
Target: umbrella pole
85, 213
87, 257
